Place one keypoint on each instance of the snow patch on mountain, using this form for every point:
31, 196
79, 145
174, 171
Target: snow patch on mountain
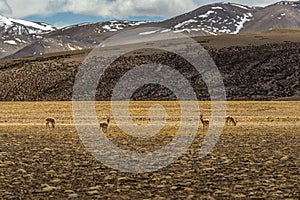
207, 14
239, 25
12, 42
184, 23
22, 27
34, 27
216, 8
71, 48
114, 26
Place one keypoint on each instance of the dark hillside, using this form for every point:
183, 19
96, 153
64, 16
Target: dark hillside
261, 72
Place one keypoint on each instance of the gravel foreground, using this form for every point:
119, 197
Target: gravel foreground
242, 166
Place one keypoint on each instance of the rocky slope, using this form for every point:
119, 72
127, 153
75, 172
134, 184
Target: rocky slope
261, 71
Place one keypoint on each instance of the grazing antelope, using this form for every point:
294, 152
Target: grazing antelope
104, 125
205, 122
50, 120
230, 121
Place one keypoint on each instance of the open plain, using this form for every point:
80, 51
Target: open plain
257, 159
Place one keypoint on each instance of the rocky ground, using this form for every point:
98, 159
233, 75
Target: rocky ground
245, 166
257, 159
253, 67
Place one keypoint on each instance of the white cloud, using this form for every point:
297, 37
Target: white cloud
124, 8
23, 8
111, 8
5, 9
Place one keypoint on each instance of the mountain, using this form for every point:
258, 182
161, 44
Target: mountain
17, 33
285, 14
21, 38
89, 34
14, 27
213, 19
76, 37
232, 18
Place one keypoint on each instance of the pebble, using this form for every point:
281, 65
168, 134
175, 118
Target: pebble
174, 188
48, 188
95, 188
69, 191
55, 180
284, 158
92, 192
47, 149
109, 177
74, 195
22, 171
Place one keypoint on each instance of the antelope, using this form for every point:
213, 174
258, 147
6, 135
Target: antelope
50, 120
104, 125
230, 121
205, 122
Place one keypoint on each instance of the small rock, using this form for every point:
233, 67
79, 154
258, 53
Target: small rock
174, 188
122, 179
74, 195
22, 171
209, 169
95, 188
239, 196
190, 197
47, 149
16, 183
69, 191
188, 189
93, 192
284, 158
55, 180
208, 198
48, 188
109, 177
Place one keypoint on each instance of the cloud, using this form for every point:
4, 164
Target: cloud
123, 8
5, 9
112, 8
24, 8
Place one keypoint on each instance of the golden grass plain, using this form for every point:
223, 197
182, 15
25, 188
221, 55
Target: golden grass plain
257, 159
252, 116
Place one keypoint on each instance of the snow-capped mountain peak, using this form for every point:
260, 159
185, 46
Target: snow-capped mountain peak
11, 26
215, 19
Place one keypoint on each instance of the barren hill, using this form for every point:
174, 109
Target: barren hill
260, 66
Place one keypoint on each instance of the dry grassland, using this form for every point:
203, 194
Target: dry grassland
257, 159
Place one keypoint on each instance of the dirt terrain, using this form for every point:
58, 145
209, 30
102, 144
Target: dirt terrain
260, 66
257, 159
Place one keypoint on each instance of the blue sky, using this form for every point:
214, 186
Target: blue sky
62, 13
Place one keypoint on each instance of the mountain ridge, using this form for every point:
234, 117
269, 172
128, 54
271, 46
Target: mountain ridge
212, 19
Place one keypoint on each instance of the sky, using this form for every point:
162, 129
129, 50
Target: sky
62, 13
